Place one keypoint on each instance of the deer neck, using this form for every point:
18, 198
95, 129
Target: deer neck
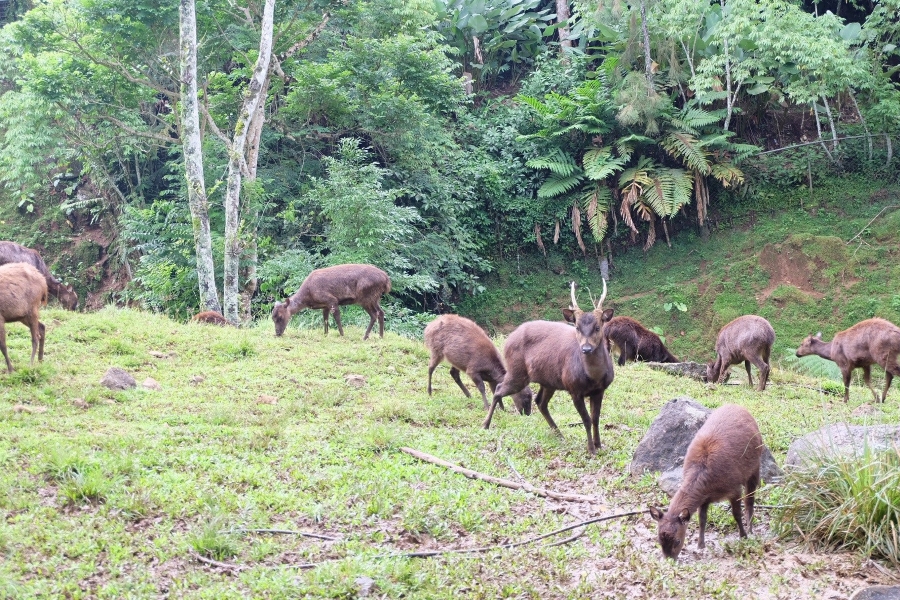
822, 349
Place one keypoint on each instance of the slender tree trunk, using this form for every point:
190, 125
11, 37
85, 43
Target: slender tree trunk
862, 120
562, 16
648, 62
834, 140
253, 96
193, 157
819, 131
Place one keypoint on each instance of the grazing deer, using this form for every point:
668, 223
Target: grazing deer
467, 347
23, 290
722, 457
869, 342
11, 252
747, 339
332, 287
636, 342
559, 357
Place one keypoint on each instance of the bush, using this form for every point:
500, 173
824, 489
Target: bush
846, 503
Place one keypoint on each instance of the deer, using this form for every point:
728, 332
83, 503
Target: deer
466, 346
870, 342
23, 290
635, 342
723, 456
211, 317
11, 252
749, 339
332, 287
557, 356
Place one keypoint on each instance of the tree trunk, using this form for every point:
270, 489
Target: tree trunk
562, 16
253, 96
193, 157
648, 62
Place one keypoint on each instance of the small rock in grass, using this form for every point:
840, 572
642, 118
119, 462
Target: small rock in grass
355, 380
118, 379
29, 409
366, 586
80, 403
156, 354
195, 379
151, 384
266, 399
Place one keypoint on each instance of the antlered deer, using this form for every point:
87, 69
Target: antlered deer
722, 457
332, 287
11, 252
467, 347
747, 339
558, 357
636, 342
23, 290
869, 342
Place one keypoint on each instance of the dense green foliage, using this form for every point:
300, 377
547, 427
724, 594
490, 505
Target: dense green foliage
548, 145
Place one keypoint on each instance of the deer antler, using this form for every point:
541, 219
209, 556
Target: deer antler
602, 297
574, 301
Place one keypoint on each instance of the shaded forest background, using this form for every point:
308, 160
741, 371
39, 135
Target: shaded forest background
433, 139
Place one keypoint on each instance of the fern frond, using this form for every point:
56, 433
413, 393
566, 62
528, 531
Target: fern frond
693, 120
557, 162
597, 204
689, 150
671, 189
556, 185
536, 105
599, 163
727, 174
741, 151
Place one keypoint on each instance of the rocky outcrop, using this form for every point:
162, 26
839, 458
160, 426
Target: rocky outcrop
842, 439
118, 379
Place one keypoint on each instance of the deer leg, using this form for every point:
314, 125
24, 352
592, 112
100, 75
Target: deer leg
373, 315
504, 389
9, 368
336, 311
888, 377
479, 383
752, 484
701, 543
763, 372
736, 512
432, 365
35, 328
44, 335
622, 357
380, 320
867, 377
454, 373
846, 375
596, 404
586, 419
891, 368
325, 312
544, 395
749, 376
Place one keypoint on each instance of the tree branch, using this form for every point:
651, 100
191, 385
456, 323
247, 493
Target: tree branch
305, 41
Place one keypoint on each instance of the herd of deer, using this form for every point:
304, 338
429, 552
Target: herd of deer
576, 356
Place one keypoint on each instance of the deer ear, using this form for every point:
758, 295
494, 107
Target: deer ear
569, 315
607, 315
277, 304
684, 516
656, 513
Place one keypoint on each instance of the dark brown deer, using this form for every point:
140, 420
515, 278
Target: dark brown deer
636, 342
722, 457
332, 287
869, 342
11, 252
23, 290
559, 357
747, 339
468, 348
211, 317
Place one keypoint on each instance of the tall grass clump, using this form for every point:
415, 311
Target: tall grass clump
845, 502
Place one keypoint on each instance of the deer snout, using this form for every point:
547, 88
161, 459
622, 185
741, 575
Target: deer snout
587, 348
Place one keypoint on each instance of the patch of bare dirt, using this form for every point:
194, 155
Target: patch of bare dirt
786, 266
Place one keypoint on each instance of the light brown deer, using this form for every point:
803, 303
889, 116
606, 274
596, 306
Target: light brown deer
869, 342
557, 356
23, 290
747, 339
332, 287
468, 348
722, 457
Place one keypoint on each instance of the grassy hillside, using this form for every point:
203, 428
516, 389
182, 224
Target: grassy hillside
792, 264
112, 494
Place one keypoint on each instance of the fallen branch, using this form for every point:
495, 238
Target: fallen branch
872, 221
215, 563
507, 483
317, 536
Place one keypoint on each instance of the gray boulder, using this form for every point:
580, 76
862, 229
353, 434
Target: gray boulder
842, 439
118, 379
685, 369
666, 442
877, 592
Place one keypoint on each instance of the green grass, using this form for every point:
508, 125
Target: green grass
116, 500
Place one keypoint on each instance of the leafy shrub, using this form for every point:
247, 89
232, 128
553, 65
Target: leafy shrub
845, 503
814, 366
